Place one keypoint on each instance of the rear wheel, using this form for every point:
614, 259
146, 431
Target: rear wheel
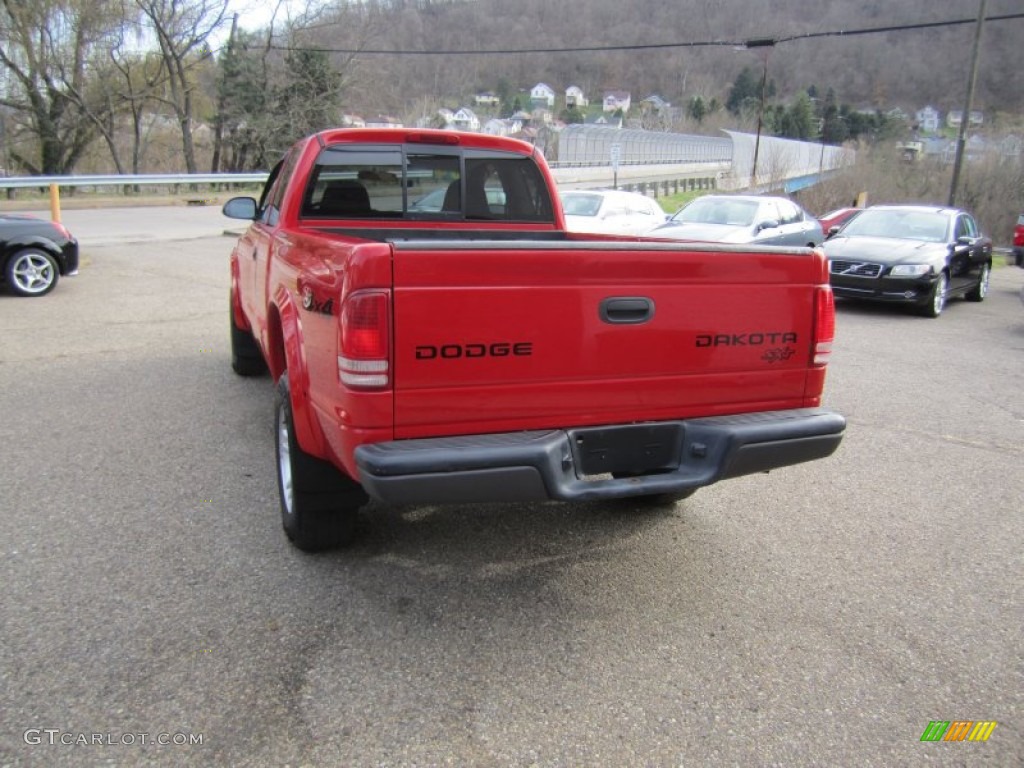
246, 357
319, 505
980, 291
936, 298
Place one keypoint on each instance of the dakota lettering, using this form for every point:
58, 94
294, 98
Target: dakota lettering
755, 339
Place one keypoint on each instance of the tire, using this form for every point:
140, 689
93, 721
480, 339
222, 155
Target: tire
246, 357
319, 505
980, 291
936, 297
31, 272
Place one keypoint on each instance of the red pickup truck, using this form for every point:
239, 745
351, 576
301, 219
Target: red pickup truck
436, 335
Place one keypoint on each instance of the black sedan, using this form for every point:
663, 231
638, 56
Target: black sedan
910, 254
34, 253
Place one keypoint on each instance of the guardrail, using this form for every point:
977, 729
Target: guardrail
130, 180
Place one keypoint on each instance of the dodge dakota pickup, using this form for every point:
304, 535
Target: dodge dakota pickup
436, 335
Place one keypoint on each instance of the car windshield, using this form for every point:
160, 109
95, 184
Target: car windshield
581, 205
903, 225
718, 210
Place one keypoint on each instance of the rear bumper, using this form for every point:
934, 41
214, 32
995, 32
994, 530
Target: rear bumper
595, 463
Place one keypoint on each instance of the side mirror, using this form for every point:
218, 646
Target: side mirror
769, 224
240, 208
965, 240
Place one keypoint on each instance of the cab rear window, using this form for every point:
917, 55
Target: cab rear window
446, 183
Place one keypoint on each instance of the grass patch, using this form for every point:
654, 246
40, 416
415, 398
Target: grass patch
672, 203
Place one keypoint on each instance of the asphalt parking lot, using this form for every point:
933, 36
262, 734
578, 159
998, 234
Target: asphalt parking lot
820, 615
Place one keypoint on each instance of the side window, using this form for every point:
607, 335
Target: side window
770, 211
509, 188
963, 227
285, 168
972, 226
268, 187
789, 213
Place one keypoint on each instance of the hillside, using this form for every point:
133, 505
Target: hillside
908, 69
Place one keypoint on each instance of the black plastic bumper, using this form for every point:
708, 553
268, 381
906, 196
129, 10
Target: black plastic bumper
899, 290
595, 462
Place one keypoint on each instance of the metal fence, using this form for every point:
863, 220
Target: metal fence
580, 145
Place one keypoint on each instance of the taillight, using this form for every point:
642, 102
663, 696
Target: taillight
364, 341
824, 324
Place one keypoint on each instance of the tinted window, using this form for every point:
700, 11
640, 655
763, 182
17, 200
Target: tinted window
390, 181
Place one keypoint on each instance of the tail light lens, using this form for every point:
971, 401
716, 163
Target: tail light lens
824, 324
364, 341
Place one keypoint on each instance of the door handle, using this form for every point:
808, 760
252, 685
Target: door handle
626, 310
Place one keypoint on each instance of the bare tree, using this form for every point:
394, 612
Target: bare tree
45, 50
182, 28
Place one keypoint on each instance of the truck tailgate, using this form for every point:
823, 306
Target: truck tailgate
502, 336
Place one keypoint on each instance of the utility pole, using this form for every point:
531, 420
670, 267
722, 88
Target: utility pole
767, 43
965, 118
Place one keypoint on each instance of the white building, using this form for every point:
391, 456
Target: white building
542, 93
574, 97
927, 119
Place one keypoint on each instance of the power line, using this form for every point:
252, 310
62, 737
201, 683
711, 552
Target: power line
760, 42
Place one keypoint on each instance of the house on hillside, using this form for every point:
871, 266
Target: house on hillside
542, 95
927, 119
352, 121
955, 117
575, 98
502, 127
466, 120
615, 100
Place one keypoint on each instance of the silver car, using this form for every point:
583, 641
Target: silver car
611, 212
752, 219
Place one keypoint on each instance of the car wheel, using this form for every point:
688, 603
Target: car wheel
246, 358
31, 272
936, 297
980, 291
319, 505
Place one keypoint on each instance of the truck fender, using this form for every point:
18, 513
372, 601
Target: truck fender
307, 430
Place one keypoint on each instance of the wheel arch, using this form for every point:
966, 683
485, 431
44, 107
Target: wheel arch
19, 243
286, 352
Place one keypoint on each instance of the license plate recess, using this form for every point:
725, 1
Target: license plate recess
634, 449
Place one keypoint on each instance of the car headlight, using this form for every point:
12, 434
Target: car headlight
910, 270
